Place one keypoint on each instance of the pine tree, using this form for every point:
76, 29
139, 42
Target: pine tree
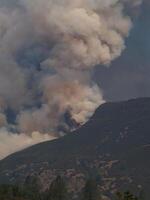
57, 190
90, 191
141, 195
125, 196
32, 188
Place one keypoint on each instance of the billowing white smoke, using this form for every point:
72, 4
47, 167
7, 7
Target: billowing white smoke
10, 143
48, 49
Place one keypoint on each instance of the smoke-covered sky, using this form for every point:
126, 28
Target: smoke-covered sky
48, 53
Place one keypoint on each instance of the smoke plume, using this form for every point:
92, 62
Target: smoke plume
48, 49
11, 143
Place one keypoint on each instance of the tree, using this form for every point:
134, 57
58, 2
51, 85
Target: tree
32, 188
11, 192
142, 195
90, 191
126, 196
57, 190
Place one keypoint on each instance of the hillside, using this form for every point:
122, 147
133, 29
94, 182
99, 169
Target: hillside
113, 146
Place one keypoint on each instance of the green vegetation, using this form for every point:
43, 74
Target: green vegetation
126, 196
57, 191
90, 191
31, 190
10, 192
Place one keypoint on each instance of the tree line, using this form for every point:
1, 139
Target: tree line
57, 191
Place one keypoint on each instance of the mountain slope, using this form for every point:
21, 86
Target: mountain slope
113, 146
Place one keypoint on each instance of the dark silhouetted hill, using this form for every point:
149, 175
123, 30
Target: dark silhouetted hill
113, 146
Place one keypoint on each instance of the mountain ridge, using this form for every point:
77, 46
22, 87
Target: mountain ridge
114, 145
